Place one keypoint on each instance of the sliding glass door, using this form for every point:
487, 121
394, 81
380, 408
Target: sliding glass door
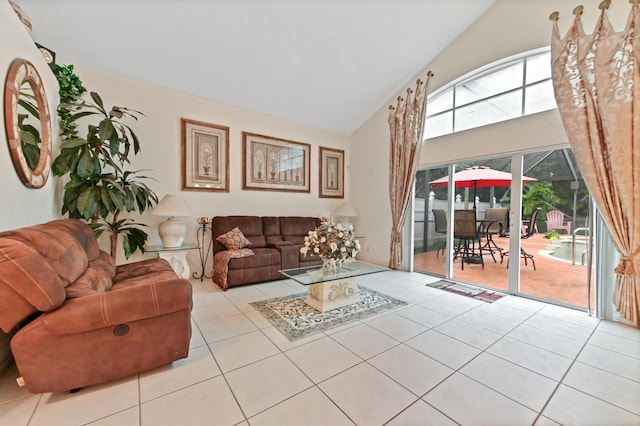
431, 223
561, 241
548, 259
484, 186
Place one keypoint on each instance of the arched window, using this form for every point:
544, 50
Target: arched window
510, 88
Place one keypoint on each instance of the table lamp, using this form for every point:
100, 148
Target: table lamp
345, 211
172, 231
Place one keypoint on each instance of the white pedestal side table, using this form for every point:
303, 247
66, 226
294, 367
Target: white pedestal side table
176, 256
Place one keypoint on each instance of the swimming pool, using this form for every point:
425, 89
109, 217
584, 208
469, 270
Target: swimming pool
562, 249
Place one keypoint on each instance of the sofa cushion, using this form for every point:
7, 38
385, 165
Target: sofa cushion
67, 245
251, 227
81, 232
142, 272
271, 229
234, 239
107, 263
295, 228
97, 278
262, 257
23, 270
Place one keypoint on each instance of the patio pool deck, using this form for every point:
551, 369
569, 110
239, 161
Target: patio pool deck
554, 279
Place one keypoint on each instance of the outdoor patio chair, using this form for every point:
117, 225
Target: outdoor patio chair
440, 218
494, 223
530, 231
466, 232
500, 217
555, 220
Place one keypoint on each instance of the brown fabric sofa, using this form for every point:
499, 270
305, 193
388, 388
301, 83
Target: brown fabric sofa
81, 320
275, 243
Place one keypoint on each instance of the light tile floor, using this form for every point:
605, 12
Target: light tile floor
442, 360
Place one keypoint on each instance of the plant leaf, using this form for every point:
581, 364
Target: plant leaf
87, 202
98, 100
73, 143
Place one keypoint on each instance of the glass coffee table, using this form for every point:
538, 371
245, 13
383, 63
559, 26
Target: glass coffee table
331, 290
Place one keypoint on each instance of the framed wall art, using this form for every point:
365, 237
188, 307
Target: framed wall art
331, 173
205, 156
272, 164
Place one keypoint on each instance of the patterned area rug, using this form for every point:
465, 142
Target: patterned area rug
295, 319
467, 290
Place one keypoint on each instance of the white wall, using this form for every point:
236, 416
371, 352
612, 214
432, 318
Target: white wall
21, 206
159, 133
509, 27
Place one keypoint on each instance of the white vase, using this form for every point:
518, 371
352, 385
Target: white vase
331, 265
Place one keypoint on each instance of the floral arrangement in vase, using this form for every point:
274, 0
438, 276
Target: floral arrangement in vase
332, 242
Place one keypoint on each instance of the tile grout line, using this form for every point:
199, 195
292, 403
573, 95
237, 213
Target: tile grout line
483, 351
458, 370
367, 360
560, 382
222, 374
431, 328
281, 352
313, 384
35, 407
362, 361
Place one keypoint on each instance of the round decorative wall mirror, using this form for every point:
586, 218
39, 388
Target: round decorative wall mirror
27, 123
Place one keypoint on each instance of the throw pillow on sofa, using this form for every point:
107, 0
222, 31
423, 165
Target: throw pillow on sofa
234, 239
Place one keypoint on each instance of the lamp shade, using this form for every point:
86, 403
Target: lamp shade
172, 205
346, 210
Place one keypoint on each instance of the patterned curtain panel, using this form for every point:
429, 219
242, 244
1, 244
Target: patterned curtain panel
406, 126
596, 79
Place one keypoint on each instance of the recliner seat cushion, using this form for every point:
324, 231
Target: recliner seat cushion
97, 278
148, 270
262, 257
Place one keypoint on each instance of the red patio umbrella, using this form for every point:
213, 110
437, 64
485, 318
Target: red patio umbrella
479, 177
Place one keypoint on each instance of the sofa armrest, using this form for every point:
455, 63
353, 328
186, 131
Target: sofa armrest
119, 307
289, 255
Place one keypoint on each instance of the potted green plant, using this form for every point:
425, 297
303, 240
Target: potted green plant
552, 235
538, 194
99, 187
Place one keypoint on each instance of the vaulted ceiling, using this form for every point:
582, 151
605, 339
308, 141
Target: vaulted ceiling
329, 64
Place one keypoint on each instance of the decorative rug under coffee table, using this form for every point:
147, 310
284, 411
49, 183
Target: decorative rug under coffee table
295, 319
467, 290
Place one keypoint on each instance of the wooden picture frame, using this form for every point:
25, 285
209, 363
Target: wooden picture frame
273, 164
331, 173
205, 156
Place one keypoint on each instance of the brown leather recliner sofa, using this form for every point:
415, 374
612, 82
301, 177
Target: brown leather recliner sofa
275, 243
81, 320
